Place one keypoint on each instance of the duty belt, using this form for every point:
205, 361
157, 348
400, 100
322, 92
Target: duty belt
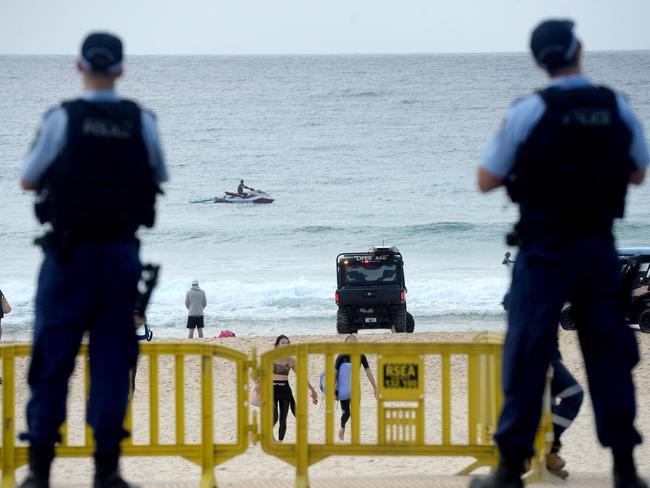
63, 241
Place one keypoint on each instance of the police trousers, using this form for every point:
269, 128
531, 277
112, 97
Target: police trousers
92, 290
585, 272
566, 395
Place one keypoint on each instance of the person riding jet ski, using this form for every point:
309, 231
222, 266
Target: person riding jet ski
240, 188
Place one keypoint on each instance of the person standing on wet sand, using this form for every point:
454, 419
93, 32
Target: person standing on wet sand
195, 302
566, 155
97, 165
1, 312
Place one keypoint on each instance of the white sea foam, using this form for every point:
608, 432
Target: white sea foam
263, 306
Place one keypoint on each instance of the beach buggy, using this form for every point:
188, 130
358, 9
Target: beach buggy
371, 292
635, 268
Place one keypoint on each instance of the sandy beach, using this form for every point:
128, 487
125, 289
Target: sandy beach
581, 449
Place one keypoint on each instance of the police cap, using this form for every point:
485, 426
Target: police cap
553, 43
101, 52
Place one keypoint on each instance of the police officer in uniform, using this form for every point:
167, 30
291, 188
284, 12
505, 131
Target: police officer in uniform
566, 155
96, 164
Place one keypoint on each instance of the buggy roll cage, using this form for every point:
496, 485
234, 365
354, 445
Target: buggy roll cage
372, 252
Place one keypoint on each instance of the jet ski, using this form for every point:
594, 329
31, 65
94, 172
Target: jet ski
253, 196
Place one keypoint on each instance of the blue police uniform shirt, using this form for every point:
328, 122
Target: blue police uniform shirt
52, 137
500, 154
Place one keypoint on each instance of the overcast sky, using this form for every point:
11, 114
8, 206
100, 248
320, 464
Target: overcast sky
314, 26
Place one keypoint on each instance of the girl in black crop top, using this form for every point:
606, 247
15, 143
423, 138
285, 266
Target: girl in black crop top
282, 395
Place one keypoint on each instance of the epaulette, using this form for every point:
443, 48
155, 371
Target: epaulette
520, 99
150, 112
50, 111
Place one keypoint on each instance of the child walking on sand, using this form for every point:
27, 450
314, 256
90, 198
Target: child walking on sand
345, 403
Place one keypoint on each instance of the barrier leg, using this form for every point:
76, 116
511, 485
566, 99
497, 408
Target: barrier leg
207, 427
302, 478
302, 439
468, 469
207, 479
8, 420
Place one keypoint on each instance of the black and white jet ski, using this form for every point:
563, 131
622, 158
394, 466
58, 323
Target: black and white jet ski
253, 196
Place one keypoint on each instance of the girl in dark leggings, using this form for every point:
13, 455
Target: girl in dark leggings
345, 416
345, 404
283, 400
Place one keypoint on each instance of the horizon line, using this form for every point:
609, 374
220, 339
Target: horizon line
369, 53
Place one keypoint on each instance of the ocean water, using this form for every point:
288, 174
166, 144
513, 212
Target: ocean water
357, 150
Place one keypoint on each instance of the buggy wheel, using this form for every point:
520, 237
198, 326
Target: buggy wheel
399, 319
410, 323
644, 321
343, 321
566, 318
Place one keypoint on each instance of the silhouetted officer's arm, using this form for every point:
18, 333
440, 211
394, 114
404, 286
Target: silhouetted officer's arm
637, 177
28, 185
499, 156
47, 145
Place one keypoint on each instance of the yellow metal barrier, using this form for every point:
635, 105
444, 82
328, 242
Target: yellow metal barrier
544, 438
205, 453
401, 403
404, 417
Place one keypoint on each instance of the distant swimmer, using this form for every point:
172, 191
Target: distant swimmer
241, 187
506, 259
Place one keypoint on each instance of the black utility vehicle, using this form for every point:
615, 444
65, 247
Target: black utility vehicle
635, 269
370, 291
